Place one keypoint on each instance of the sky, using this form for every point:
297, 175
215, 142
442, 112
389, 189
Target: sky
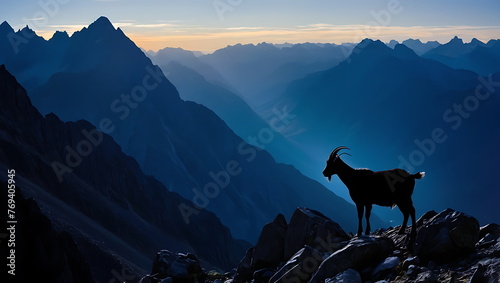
207, 25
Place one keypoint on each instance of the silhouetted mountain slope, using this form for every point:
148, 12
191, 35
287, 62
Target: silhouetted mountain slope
476, 56
88, 187
390, 107
261, 72
105, 79
42, 254
192, 86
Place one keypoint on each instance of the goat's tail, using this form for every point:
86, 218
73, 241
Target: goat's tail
418, 175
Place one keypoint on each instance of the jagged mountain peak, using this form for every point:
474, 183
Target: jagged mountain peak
28, 31
456, 40
5, 28
59, 36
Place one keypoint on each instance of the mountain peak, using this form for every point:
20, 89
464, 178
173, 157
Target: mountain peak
371, 46
102, 23
59, 35
5, 28
456, 40
476, 41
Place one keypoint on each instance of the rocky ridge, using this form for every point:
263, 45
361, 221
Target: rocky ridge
450, 246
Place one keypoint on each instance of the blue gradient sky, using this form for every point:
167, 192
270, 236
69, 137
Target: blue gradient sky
199, 25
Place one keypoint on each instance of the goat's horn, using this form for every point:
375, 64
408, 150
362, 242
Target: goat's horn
344, 153
335, 151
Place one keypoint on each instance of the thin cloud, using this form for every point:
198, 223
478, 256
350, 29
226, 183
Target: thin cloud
35, 19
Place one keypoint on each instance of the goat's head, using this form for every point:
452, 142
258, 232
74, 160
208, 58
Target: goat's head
332, 164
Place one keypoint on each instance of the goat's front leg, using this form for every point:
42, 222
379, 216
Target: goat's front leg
367, 216
360, 209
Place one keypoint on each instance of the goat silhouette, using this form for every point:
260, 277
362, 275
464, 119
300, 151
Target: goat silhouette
384, 188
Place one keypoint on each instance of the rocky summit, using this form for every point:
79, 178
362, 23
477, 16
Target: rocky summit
450, 246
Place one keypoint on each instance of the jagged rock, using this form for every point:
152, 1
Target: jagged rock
185, 268
269, 251
309, 227
491, 228
489, 235
348, 276
300, 267
488, 271
360, 253
385, 268
244, 272
427, 277
426, 217
446, 236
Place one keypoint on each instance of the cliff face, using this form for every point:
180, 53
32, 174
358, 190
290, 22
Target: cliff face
90, 188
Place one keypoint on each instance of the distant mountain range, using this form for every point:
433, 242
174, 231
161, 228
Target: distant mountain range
259, 72
99, 75
482, 58
394, 108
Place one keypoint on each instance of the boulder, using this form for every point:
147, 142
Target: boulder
446, 236
348, 276
359, 254
269, 251
244, 272
185, 268
385, 268
310, 227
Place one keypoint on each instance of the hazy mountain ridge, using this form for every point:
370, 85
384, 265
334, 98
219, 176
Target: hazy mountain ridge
181, 143
482, 58
259, 72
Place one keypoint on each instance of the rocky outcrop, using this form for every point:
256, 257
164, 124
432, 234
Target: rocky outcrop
449, 247
447, 235
310, 227
176, 268
290, 249
360, 253
270, 247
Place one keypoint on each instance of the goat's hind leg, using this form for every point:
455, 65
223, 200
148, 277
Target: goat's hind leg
367, 216
360, 209
404, 209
